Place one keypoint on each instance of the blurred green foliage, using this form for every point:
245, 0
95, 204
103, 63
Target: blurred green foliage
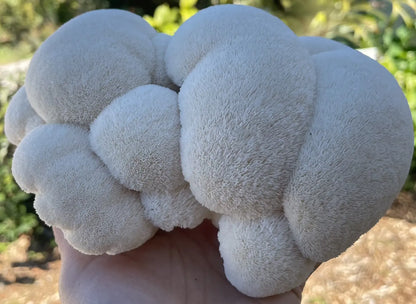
24, 24
14, 216
388, 25
397, 43
167, 19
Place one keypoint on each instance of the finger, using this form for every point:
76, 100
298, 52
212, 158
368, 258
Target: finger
67, 251
60, 241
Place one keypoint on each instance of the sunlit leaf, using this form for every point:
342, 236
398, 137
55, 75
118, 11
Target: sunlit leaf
187, 3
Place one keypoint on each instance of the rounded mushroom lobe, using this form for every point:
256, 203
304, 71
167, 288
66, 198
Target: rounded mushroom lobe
88, 62
75, 191
137, 137
355, 158
260, 256
20, 117
246, 101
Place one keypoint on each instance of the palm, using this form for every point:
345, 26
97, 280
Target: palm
183, 266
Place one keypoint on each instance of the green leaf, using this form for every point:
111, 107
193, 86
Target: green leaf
187, 3
187, 13
164, 15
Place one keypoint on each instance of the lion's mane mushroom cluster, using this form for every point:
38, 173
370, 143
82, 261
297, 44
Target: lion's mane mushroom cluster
294, 146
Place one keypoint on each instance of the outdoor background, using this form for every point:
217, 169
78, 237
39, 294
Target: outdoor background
379, 268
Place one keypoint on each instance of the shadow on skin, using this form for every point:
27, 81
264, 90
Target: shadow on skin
182, 266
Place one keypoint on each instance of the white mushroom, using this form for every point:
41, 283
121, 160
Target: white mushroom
294, 147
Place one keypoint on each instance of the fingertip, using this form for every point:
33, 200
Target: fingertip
65, 249
298, 291
59, 237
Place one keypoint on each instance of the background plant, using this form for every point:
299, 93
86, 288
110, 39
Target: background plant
167, 19
15, 205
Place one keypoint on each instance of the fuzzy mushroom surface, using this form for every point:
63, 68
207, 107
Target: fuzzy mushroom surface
292, 146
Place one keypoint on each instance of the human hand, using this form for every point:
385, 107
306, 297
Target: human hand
182, 266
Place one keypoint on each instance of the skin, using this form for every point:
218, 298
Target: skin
183, 266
